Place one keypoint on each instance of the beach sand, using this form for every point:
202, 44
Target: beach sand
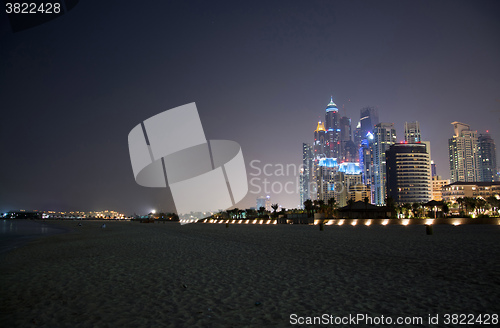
207, 275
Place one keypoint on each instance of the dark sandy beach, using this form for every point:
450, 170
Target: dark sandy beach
201, 275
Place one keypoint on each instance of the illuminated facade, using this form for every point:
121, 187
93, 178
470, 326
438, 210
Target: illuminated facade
261, 202
347, 147
384, 135
412, 132
488, 154
332, 124
306, 171
326, 175
358, 193
437, 187
409, 173
320, 146
460, 189
368, 120
465, 158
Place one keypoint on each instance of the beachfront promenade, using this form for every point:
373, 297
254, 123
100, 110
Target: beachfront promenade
206, 275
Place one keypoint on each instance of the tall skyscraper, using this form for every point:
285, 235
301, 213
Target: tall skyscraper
320, 146
488, 154
384, 135
332, 124
465, 158
325, 171
408, 168
433, 169
366, 158
306, 172
368, 120
345, 138
412, 132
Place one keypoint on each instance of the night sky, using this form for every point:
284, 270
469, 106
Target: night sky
261, 74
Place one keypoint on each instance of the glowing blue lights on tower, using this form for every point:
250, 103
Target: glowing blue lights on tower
328, 162
350, 168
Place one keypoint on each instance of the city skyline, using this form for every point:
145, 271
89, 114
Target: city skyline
261, 75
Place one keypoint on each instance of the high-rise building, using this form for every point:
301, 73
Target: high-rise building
368, 120
320, 146
384, 135
326, 176
357, 135
488, 154
306, 172
349, 180
345, 138
261, 202
350, 152
433, 169
465, 158
408, 168
366, 158
332, 125
412, 132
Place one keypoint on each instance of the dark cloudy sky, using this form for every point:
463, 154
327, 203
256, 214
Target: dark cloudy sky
260, 72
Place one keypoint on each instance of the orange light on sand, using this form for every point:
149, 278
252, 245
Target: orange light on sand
429, 221
368, 222
211, 221
255, 221
405, 222
385, 222
275, 222
246, 221
354, 222
456, 223
330, 222
239, 221
341, 222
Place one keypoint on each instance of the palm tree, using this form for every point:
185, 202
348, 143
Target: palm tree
274, 207
308, 206
407, 208
445, 208
481, 204
389, 202
262, 209
461, 202
494, 203
330, 210
416, 208
470, 204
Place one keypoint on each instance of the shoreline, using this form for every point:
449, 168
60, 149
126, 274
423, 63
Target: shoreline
24, 231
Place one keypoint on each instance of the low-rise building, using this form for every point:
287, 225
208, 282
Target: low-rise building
459, 189
437, 187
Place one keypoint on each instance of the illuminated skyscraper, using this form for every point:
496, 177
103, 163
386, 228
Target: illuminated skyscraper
320, 146
346, 149
384, 135
465, 158
332, 124
306, 173
408, 168
368, 120
412, 132
488, 154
